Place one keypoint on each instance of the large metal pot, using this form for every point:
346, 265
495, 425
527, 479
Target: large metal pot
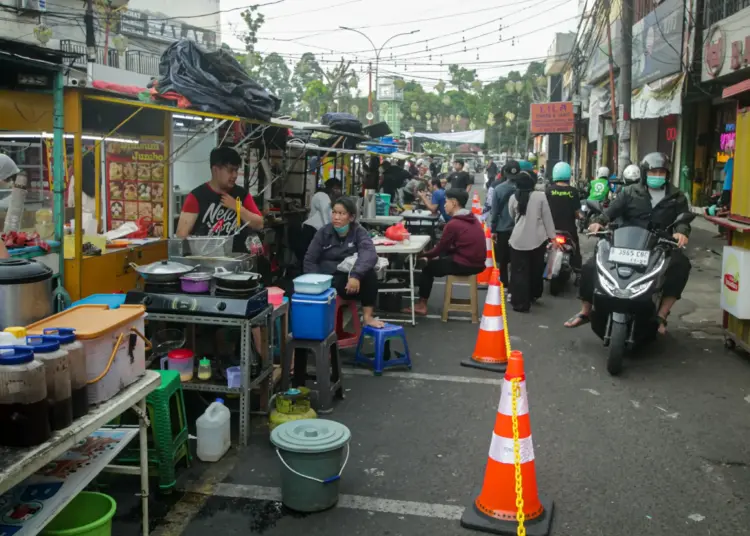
25, 292
162, 271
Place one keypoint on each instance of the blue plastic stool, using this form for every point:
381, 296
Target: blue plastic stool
381, 337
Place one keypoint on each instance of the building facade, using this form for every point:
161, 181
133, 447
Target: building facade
129, 40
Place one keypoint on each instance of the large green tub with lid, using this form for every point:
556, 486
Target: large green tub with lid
88, 514
313, 455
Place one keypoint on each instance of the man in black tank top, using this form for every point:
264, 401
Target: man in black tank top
212, 205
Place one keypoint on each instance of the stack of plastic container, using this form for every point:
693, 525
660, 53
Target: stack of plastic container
313, 307
57, 372
78, 377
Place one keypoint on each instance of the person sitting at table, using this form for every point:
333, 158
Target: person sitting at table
336, 241
435, 201
461, 250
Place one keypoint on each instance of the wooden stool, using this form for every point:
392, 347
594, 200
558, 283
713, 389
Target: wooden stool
461, 304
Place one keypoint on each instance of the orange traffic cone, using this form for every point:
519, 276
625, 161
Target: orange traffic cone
476, 206
483, 279
491, 350
495, 509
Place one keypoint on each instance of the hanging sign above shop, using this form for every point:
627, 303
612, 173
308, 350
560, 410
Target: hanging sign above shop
727, 48
657, 43
552, 118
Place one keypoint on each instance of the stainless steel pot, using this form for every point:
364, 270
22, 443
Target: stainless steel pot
162, 271
25, 292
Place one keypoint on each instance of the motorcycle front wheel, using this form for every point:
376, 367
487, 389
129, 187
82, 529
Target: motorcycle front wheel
617, 342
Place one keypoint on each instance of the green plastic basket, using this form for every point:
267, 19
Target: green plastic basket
88, 514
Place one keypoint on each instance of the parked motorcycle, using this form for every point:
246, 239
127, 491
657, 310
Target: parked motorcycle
630, 267
559, 277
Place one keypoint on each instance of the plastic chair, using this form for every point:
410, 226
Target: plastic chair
381, 337
347, 339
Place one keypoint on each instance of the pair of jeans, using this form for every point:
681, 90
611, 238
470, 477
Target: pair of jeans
440, 268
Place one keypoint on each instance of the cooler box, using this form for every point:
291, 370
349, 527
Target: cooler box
313, 315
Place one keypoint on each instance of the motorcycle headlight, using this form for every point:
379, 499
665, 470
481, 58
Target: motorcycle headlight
639, 289
606, 284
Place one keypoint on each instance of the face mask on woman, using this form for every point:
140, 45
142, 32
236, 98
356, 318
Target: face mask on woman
342, 230
655, 181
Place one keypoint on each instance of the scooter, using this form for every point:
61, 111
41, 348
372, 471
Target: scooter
630, 267
567, 247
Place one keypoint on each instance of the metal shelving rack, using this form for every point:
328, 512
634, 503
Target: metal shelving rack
246, 340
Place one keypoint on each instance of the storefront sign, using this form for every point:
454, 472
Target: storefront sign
552, 118
598, 58
657, 43
727, 48
158, 27
136, 181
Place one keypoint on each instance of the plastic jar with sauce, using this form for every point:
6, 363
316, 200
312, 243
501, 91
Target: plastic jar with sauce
78, 376
24, 410
57, 371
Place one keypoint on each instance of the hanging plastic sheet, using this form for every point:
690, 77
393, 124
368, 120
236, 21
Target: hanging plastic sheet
213, 82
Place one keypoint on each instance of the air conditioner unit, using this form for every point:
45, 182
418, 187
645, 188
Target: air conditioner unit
32, 5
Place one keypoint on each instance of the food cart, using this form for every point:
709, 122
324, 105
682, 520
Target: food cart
735, 299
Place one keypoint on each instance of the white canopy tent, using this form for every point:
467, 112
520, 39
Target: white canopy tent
467, 136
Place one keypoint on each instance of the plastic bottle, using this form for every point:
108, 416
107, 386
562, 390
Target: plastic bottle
213, 432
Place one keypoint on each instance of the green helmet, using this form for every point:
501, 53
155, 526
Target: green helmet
561, 172
525, 165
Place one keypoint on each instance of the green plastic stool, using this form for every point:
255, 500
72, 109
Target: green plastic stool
168, 438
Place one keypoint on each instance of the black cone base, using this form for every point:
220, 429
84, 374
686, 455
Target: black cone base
492, 367
475, 520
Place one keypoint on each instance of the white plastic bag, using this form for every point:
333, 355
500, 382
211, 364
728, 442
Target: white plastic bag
554, 263
347, 265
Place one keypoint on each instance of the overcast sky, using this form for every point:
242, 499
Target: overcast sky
446, 29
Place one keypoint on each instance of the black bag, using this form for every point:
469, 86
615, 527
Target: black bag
342, 121
213, 82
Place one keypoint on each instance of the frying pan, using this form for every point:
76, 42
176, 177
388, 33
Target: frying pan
236, 280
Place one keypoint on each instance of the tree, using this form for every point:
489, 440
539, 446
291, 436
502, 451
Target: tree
254, 19
461, 78
274, 75
306, 70
317, 97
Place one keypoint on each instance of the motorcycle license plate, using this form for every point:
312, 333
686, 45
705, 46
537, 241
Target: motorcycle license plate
632, 257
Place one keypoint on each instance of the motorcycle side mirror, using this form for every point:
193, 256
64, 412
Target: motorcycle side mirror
594, 206
685, 217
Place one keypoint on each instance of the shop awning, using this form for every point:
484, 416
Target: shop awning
28, 54
468, 136
736, 89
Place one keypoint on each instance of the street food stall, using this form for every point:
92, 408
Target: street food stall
735, 298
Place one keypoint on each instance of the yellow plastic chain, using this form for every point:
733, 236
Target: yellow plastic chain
506, 333
520, 517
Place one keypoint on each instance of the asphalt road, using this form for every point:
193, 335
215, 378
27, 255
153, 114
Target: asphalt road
661, 450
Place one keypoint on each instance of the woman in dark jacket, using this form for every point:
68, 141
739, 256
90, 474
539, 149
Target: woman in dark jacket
336, 241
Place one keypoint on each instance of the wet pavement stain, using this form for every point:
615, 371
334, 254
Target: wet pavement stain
261, 515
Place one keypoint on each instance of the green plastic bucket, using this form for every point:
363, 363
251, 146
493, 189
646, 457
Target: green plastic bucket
88, 514
313, 455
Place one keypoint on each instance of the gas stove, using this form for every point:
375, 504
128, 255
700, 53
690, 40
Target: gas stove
214, 304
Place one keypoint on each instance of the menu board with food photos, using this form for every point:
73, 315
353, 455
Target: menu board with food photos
136, 180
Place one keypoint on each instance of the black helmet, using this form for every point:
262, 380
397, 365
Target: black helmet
655, 161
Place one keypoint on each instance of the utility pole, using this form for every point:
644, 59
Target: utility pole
369, 95
88, 19
613, 104
626, 87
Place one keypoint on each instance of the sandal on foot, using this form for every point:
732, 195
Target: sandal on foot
577, 320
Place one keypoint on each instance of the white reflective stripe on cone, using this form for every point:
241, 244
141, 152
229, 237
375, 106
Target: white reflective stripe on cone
505, 407
488, 262
491, 323
488, 244
501, 450
493, 296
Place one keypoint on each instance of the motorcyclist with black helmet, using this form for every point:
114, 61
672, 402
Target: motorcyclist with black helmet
652, 202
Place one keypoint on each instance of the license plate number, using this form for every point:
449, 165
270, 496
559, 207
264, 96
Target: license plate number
633, 257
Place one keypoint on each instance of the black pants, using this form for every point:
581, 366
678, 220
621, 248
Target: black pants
575, 259
368, 288
675, 278
526, 279
502, 255
440, 268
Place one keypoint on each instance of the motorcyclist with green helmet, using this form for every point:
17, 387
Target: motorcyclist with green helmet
599, 187
565, 204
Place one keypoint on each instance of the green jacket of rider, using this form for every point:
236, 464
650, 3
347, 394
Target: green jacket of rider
633, 207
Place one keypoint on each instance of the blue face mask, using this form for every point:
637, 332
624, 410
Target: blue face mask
655, 182
342, 230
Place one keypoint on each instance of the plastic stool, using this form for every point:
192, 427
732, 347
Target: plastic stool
327, 369
381, 337
168, 443
347, 339
470, 305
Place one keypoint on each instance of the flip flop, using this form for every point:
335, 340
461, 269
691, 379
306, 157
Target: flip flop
407, 311
582, 318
